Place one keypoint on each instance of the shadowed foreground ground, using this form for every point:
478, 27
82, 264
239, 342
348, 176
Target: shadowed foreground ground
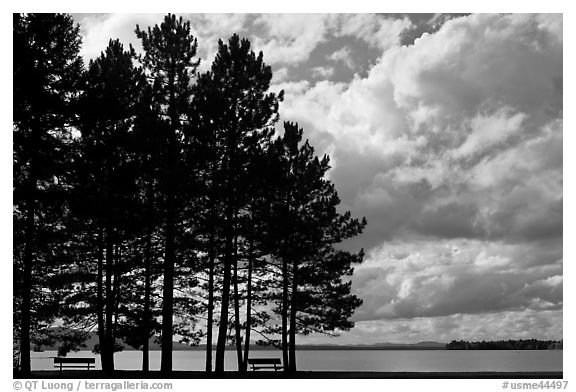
134, 374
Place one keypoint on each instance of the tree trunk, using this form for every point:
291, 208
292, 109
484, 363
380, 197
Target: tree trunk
285, 283
285, 358
100, 296
211, 261
248, 308
170, 244
293, 311
107, 351
25, 365
147, 313
115, 291
237, 326
223, 328
211, 257
168, 293
228, 248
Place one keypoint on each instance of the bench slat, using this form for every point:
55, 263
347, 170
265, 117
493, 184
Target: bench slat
74, 360
267, 367
265, 363
74, 366
259, 361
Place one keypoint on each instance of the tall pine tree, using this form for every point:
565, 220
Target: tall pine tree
241, 115
305, 225
109, 171
47, 68
169, 61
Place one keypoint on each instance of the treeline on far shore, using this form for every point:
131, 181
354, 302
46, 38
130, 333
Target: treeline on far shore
522, 344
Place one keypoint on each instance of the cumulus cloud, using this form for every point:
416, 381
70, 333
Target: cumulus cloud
98, 29
378, 31
465, 124
452, 149
426, 278
280, 75
322, 72
290, 38
343, 55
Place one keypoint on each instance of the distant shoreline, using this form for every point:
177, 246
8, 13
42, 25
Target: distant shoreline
513, 345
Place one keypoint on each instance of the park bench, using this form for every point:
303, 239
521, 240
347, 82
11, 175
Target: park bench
78, 363
265, 363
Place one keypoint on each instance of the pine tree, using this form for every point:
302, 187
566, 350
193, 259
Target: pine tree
252, 226
169, 60
109, 171
147, 138
241, 117
204, 111
46, 69
305, 225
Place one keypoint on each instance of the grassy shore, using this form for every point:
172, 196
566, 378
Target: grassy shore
134, 374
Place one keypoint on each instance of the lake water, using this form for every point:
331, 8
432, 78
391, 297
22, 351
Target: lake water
348, 360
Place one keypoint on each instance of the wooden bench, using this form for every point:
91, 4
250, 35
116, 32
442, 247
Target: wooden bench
77, 363
265, 363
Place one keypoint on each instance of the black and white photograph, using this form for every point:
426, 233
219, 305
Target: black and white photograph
287, 196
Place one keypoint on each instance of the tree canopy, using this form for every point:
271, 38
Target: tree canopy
152, 201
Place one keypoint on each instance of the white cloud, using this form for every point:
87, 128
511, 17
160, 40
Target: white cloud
290, 38
343, 55
322, 72
375, 30
487, 131
456, 121
452, 149
98, 29
280, 75
429, 278
309, 106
